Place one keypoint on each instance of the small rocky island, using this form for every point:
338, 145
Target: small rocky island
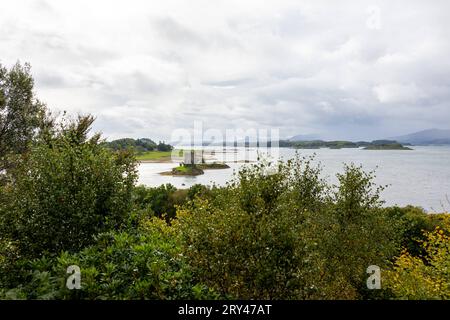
193, 165
318, 144
386, 145
184, 170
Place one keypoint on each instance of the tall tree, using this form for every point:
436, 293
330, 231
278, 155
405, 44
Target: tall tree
65, 191
21, 114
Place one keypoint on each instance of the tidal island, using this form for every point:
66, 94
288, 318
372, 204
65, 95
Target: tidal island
194, 164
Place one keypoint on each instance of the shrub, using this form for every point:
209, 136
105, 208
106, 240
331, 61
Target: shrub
280, 232
355, 233
415, 223
426, 276
244, 244
199, 190
159, 201
65, 191
144, 264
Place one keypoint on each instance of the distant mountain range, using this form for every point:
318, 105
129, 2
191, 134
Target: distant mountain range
305, 137
425, 137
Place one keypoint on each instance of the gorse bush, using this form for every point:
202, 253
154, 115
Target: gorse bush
426, 276
65, 191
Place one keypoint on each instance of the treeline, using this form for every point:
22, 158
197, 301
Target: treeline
316, 144
276, 231
138, 146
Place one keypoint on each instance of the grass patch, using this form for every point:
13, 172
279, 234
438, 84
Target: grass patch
157, 155
184, 171
214, 165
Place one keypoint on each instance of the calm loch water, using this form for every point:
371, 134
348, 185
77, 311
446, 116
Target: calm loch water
419, 177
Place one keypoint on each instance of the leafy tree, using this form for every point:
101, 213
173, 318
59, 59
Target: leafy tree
121, 144
22, 116
278, 231
145, 263
415, 224
199, 190
354, 233
138, 146
159, 201
164, 147
66, 190
426, 276
247, 242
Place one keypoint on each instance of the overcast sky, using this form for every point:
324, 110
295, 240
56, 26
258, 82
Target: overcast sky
339, 69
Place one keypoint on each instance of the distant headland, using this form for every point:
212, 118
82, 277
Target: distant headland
318, 144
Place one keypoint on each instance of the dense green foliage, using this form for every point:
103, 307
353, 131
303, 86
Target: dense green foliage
275, 232
138, 146
145, 263
22, 116
426, 276
416, 223
64, 191
287, 235
278, 231
160, 201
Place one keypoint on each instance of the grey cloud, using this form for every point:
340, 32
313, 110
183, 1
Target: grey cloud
181, 35
51, 79
171, 30
229, 83
305, 67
